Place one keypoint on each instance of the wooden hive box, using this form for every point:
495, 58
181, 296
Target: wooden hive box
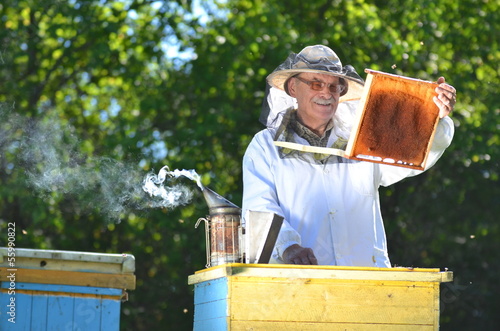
63, 290
291, 297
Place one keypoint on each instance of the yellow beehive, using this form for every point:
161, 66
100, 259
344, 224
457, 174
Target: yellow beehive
289, 297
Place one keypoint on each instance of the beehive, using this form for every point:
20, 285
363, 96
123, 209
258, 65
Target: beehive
289, 297
63, 290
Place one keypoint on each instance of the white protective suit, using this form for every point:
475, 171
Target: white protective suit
334, 207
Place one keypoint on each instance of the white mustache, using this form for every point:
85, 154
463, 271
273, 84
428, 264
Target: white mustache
323, 102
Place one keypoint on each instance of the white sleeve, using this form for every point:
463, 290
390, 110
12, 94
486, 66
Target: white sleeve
259, 194
442, 139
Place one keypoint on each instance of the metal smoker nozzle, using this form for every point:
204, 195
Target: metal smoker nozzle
216, 202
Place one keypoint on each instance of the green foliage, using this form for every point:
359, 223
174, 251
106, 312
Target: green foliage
98, 71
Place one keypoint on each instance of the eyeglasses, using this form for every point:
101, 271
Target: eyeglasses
318, 86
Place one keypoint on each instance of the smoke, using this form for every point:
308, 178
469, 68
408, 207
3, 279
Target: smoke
154, 186
51, 157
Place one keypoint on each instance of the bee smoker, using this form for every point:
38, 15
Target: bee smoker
223, 230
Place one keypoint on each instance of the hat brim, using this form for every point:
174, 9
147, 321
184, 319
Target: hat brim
278, 79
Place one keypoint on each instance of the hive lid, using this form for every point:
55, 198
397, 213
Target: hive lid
38, 266
332, 273
68, 260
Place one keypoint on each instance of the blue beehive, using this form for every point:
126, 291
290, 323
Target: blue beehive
63, 290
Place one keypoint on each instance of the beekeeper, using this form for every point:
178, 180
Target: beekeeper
330, 204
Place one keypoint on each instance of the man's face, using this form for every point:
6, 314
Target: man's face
315, 108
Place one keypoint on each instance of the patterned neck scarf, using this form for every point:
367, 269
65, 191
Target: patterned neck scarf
290, 125
304, 132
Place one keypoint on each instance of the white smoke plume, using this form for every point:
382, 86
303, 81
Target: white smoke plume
53, 162
154, 185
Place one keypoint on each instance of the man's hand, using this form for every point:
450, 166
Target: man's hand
446, 98
297, 254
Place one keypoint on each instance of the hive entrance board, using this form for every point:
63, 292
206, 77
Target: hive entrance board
395, 122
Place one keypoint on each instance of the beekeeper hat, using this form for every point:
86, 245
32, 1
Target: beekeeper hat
318, 59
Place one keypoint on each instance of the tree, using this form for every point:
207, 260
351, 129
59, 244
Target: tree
76, 78
91, 80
